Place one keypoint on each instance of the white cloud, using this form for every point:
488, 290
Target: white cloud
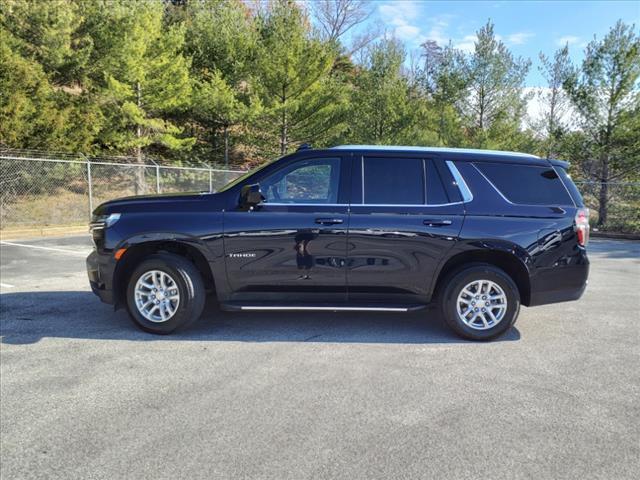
519, 38
570, 39
467, 44
408, 33
402, 15
438, 29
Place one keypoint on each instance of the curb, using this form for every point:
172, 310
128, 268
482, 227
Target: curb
43, 232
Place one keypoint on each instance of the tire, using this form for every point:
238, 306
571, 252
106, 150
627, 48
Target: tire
180, 277
497, 317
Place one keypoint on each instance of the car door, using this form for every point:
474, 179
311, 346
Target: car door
292, 246
406, 214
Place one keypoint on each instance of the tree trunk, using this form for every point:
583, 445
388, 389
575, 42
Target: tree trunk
226, 146
283, 125
283, 133
140, 182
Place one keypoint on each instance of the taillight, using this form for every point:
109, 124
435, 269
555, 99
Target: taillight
582, 226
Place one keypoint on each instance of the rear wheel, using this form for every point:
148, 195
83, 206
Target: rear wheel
480, 302
165, 292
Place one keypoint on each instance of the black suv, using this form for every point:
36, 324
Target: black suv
352, 228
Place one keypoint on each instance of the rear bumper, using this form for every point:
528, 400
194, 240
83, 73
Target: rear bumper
100, 277
559, 284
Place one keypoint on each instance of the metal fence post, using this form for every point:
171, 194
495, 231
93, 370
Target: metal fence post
210, 180
90, 182
157, 179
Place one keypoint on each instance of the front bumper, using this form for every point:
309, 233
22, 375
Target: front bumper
100, 277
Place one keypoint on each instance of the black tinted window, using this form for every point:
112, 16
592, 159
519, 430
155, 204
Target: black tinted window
577, 197
527, 185
436, 194
393, 181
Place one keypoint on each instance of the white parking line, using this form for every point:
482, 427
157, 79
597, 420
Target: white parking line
5, 285
62, 250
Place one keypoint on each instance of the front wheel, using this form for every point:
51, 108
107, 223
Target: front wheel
165, 292
480, 302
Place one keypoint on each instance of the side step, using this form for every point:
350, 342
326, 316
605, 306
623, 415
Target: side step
324, 307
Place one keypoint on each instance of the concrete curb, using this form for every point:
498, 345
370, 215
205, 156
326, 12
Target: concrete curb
22, 233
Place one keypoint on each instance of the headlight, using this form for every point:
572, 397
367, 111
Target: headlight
100, 222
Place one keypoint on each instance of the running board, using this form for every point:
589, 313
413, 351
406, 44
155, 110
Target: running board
324, 308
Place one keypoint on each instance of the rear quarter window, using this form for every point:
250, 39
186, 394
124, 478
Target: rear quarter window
573, 190
526, 185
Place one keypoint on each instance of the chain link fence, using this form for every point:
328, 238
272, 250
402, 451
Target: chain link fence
43, 190
623, 205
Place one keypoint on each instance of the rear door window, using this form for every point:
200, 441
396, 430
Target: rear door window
526, 185
393, 181
436, 193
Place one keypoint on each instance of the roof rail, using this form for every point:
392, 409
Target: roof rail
304, 146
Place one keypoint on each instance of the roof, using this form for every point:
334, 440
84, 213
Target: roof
452, 151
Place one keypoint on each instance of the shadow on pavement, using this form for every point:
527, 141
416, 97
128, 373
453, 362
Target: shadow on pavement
27, 317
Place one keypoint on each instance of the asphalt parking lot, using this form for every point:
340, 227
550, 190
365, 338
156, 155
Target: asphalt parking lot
287, 395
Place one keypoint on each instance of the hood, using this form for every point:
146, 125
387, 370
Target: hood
158, 202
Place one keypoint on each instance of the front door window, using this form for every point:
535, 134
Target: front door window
313, 181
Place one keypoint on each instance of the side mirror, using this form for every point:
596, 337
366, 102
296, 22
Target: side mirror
250, 196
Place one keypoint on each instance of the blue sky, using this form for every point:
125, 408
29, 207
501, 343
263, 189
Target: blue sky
527, 27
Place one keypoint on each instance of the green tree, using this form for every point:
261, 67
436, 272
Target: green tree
218, 104
447, 86
493, 106
553, 99
50, 34
140, 76
43, 102
221, 41
381, 110
303, 102
605, 94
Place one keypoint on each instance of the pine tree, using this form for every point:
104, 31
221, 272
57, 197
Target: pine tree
447, 85
493, 106
553, 99
303, 103
606, 96
141, 77
381, 109
43, 100
221, 42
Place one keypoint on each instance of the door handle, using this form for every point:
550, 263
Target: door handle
437, 223
328, 221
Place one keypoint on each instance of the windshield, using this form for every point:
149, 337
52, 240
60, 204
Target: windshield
241, 178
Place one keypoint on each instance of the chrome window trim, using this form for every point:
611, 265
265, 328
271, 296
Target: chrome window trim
267, 204
467, 196
362, 179
555, 169
424, 182
419, 205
